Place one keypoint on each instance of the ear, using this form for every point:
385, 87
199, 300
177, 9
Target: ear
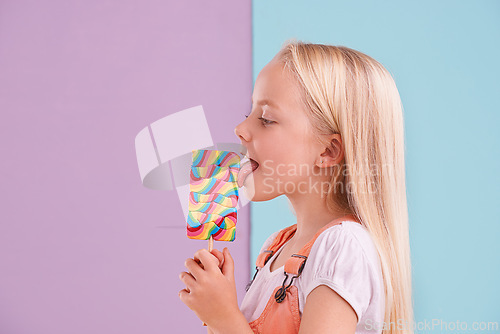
334, 153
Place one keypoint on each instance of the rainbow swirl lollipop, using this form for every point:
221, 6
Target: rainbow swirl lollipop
213, 195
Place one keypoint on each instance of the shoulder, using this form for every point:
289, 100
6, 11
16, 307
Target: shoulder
345, 259
344, 254
349, 237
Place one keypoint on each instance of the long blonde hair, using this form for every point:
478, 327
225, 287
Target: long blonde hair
348, 92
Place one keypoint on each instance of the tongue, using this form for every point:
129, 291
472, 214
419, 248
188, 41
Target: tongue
245, 170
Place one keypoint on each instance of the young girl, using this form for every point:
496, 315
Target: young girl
325, 130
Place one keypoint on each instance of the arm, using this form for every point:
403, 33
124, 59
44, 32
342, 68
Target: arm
326, 312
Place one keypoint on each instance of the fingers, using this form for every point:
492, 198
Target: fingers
184, 297
218, 254
203, 260
228, 265
193, 267
207, 259
188, 280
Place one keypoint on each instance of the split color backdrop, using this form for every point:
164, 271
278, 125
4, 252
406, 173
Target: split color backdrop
85, 248
444, 58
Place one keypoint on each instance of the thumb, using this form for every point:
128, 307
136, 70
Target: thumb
217, 253
228, 265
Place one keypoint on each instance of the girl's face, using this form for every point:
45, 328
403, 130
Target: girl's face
278, 135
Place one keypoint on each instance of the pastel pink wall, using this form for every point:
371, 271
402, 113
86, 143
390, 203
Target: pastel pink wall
81, 250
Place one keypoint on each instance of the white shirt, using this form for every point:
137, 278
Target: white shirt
343, 258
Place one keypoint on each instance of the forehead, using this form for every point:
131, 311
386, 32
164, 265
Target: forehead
276, 87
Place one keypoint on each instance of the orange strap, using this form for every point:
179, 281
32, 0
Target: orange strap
295, 264
283, 236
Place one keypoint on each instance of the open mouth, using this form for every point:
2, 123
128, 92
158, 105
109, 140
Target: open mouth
248, 166
254, 164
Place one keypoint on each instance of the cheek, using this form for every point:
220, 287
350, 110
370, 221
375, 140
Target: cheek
273, 149
285, 163
283, 151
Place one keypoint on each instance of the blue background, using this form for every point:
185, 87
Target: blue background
444, 57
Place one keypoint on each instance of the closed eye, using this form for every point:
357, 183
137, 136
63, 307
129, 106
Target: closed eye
266, 121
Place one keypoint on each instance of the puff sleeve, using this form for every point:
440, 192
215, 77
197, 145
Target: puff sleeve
339, 260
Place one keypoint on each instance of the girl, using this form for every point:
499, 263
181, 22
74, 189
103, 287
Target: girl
326, 131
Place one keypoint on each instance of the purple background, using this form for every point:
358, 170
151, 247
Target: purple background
81, 250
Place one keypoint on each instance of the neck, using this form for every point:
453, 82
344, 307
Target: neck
312, 214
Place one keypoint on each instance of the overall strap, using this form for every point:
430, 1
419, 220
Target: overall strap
283, 236
295, 264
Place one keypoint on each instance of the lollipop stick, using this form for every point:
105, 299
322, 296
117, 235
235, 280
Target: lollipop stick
210, 243
210, 247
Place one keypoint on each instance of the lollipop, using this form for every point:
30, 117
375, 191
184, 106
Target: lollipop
213, 196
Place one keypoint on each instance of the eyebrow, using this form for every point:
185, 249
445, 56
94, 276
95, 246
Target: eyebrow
266, 101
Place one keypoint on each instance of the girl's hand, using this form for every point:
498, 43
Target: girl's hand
210, 287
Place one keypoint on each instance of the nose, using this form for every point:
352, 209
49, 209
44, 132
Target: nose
241, 132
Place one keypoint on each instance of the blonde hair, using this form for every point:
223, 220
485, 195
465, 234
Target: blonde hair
348, 92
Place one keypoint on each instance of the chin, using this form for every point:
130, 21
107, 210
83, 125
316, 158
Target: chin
263, 197
257, 192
